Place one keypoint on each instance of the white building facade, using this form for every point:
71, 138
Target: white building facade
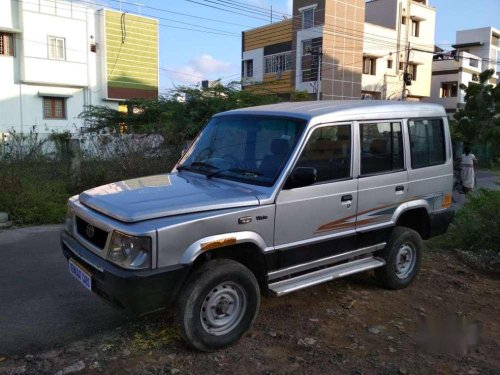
53, 64
475, 51
398, 37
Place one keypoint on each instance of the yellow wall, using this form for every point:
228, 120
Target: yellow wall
264, 36
131, 55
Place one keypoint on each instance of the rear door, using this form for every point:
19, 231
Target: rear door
319, 220
383, 179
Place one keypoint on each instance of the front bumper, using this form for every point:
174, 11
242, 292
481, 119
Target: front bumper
137, 291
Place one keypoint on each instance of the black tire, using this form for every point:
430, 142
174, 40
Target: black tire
194, 312
402, 241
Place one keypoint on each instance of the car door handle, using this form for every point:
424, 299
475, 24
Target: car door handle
400, 188
346, 198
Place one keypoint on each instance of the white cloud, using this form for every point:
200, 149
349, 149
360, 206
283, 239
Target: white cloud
207, 64
199, 68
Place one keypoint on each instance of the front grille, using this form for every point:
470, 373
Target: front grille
90, 233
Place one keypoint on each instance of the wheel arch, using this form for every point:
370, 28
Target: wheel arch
247, 248
414, 215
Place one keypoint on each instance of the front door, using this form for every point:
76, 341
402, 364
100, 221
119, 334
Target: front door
383, 179
319, 220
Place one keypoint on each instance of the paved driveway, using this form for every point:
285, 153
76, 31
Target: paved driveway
41, 305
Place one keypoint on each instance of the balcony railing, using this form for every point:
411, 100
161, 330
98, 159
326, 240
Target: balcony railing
278, 63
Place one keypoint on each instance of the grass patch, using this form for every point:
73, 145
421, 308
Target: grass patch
475, 231
36, 192
153, 338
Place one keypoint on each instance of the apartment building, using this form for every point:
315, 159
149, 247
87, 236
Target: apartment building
475, 51
57, 57
340, 49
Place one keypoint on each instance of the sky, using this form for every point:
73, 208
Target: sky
188, 56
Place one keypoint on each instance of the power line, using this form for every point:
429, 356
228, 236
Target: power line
256, 6
205, 29
238, 7
225, 10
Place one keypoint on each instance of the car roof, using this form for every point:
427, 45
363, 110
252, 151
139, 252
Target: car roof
344, 109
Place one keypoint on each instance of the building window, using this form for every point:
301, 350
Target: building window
6, 44
57, 48
369, 65
328, 150
449, 89
498, 64
307, 18
427, 142
474, 63
381, 147
54, 108
412, 70
415, 28
306, 47
248, 68
307, 75
278, 63
389, 64
403, 20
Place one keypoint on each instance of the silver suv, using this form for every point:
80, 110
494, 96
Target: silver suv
271, 200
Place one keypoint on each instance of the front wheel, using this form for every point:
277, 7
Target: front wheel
217, 305
402, 255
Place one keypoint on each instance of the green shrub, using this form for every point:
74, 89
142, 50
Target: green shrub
476, 227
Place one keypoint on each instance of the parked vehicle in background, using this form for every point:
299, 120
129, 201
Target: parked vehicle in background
268, 199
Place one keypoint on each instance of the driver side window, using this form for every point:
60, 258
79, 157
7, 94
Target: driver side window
328, 150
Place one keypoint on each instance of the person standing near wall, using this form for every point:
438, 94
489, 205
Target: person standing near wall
468, 162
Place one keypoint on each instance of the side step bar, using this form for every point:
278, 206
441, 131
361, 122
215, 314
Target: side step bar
323, 275
324, 261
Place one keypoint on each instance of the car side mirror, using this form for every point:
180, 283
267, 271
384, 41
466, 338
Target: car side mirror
300, 177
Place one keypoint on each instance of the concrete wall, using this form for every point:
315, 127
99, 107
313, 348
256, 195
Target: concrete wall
382, 12
257, 55
9, 15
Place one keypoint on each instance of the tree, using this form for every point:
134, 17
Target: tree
178, 116
479, 121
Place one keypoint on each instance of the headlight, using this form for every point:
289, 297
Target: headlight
129, 251
68, 221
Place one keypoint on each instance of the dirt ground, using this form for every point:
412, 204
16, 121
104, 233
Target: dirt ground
447, 322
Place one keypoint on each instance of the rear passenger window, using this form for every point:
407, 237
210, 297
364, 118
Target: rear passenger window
381, 147
329, 151
427, 142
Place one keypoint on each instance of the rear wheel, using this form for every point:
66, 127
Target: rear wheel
217, 305
403, 255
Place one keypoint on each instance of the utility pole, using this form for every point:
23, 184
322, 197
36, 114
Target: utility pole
319, 54
405, 74
271, 14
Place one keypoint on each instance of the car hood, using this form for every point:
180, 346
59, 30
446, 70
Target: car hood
165, 195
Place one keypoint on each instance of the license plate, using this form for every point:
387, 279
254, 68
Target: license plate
80, 274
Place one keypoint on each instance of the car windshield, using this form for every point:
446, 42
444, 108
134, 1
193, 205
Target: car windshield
246, 148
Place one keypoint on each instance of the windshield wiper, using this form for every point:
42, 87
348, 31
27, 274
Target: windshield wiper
196, 164
236, 170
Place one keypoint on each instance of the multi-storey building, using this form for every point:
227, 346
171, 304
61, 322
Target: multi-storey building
56, 57
339, 49
475, 51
